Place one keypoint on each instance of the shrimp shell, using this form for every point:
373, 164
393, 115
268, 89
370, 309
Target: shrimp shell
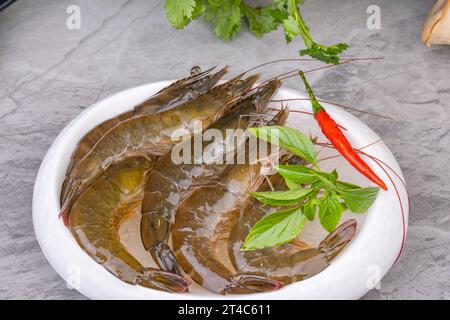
169, 97
150, 136
169, 183
202, 226
290, 262
96, 217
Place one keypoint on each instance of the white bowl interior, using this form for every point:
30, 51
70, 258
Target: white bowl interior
370, 254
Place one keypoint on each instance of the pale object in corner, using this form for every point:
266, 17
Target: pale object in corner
436, 29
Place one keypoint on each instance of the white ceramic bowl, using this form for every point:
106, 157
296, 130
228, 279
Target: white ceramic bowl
368, 257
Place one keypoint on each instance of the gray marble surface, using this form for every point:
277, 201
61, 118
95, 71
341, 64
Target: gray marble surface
49, 74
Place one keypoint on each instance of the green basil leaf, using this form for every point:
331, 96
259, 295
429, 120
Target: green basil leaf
330, 212
317, 185
288, 138
275, 229
328, 180
304, 175
342, 185
298, 174
292, 185
335, 174
282, 198
360, 200
309, 209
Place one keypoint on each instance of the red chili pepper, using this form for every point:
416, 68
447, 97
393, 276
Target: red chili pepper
331, 130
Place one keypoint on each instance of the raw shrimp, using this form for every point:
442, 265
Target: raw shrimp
151, 135
296, 260
95, 219
168, 183
175, 94
287, 263
202, 225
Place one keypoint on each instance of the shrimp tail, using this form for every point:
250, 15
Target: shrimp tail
251, 283
333, 244
163, 280
165, 258
154, 231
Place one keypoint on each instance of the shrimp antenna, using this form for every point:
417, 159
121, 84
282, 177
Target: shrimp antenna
307, 113
307, 59
294, 73
337, 105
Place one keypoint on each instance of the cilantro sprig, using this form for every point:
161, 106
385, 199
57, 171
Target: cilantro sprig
227, 15
310, 192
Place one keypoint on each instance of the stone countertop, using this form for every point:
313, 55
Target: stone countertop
49, 74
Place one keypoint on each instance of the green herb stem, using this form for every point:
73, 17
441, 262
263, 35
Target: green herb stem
317, 107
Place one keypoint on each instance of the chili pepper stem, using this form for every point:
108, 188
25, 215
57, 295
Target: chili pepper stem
332, 131
317, 107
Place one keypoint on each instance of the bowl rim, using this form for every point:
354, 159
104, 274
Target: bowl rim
346, 278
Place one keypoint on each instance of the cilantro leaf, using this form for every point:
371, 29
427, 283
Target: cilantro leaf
199, 9
323, 53
291, 29
260, 20
179, 12
226, 17
287, 5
